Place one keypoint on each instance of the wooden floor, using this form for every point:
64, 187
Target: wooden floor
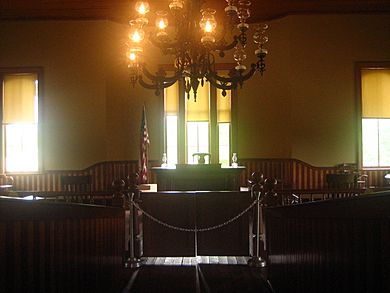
192, 261
198, 274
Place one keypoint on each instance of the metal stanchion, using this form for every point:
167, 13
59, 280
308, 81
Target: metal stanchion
132, 189
132, 261
256, 182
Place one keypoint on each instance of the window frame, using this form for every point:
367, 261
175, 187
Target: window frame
213, 129
359, 66
19, 70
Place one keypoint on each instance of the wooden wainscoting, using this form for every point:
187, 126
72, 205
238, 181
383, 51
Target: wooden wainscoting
102, 174
339, 245
60, 247
291, 173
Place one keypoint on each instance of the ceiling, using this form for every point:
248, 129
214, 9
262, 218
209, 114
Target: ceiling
119, 10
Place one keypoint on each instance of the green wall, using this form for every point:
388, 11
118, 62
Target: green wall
303, 107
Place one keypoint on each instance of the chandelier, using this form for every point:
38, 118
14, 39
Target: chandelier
190, 34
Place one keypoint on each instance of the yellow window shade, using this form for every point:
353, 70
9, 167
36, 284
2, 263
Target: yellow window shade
375, 93
224, 106
172, 99
19, 98
199, 110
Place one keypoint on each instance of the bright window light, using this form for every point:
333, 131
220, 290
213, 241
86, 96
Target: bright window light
197, 140
376, 142
20, 122
224, 143
21, 148
384, 142
172, 151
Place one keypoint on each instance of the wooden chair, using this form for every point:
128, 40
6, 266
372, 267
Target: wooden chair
340, 183
201, 157
79, 187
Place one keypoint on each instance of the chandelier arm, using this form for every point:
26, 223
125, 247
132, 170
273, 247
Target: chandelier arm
234, 79
148, 86
214, 76
155, 86
249, 74
223, 86
164, 45
160, 78
227, 47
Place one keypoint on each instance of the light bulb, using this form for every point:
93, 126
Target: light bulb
161, 24
208, 28
142, 7
132, 56
161, 20
137, 35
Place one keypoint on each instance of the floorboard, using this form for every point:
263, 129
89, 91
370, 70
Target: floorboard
192, 261
198, 274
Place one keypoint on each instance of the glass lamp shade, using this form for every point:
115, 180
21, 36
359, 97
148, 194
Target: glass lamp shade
133, 54
176, 5
161, 20
142, 7
208, 23
239, 55
260, 39
136, 34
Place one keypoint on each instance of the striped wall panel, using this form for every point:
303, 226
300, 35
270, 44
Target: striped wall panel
291, 174
376, 177
305, 176
321, 248
47, 247
270, 168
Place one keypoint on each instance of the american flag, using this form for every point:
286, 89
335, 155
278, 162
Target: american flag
144, 147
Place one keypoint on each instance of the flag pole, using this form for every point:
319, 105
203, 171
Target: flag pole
144, 149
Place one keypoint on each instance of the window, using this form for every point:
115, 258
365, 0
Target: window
197, 121
375, 117
197, 139
20, 147
192, 127
171, 123
224, 118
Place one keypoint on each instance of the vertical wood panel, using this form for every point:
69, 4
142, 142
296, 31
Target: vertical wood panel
3, 251
294, 174
322, 248
77, 252
17, 259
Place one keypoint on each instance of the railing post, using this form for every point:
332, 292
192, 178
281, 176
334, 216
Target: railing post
256, 187
132, 189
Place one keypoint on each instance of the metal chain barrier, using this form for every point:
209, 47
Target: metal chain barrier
194, 230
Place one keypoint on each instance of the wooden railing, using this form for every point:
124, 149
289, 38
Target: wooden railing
337, 245
292, 196
60, 247
296, 174
291, 173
